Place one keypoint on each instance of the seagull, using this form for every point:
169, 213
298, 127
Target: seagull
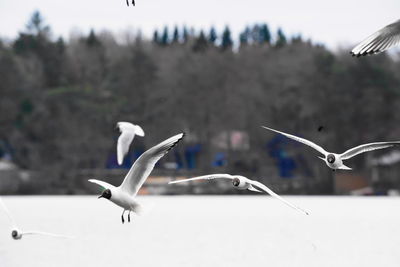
335, 161
133, 2
380, 41
128, 131
17, 234
242, 183
124, 195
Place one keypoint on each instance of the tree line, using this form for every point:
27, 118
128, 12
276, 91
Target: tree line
60, 99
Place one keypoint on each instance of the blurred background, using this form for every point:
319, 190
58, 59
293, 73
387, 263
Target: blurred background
62, 93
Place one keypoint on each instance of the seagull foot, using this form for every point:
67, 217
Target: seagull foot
127, 3
129, 217
122, 217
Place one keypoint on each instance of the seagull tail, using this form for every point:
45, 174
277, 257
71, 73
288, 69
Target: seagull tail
344, 167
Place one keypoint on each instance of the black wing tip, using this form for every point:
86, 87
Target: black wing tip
177, 141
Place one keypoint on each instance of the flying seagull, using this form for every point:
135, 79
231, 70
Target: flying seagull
17, 234
128, 132
133, 2
380, 41
335, 161
124, 195
242, 183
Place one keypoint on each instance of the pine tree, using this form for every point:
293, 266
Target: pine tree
212, 36
185, 35
165, 38
201, 43
226, 39
92, 39
265, 34
156, 38
244, 37
281, 39
36, 25
175, 38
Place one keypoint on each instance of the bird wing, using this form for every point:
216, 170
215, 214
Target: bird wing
379, 41
124, 141
7, 212
264, 188
301, 140
46, 234
366, 147
139, 131
204, 177
102, 184
143, 166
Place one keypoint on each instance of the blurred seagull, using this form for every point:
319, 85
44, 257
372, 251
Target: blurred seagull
335, 161
242, 183
124, 195
17, 233
381, 40
128, 131
133, 2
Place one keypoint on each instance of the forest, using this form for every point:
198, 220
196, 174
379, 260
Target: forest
61, 99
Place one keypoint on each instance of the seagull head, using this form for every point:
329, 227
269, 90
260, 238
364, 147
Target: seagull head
15, 234
330, 158
106, 194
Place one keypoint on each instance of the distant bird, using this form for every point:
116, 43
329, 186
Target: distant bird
335, 161
320, 128
128, 132
133, 2
17, 233
242, 183
124, 195
380, 41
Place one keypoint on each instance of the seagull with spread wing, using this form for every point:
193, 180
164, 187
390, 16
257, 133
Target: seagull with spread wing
333, 160
380, 41
128, 132
17, 234
124, 195
243, 183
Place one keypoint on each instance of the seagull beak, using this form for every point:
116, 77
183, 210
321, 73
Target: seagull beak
322, 158
100, 196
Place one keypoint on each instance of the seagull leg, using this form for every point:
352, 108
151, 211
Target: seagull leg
133, 2
129, 216
127, 3
122, 217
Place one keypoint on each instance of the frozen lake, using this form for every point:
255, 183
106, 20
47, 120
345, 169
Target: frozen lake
205, 231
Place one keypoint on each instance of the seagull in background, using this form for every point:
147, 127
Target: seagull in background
128, 132
17, 234
242, 183
335, 161
124, 195
133, 2
380, 41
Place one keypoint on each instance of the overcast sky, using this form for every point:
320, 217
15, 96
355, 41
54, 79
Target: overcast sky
337, 23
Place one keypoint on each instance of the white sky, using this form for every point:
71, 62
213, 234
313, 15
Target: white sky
337, 23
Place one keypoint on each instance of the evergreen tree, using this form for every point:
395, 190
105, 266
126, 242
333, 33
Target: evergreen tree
281, 39
185, 34
156, 38
36, 25
244, 37
255, 34
175, 38
165, 38
212, 36
265, 34
200, 43
92, 39
226, 39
